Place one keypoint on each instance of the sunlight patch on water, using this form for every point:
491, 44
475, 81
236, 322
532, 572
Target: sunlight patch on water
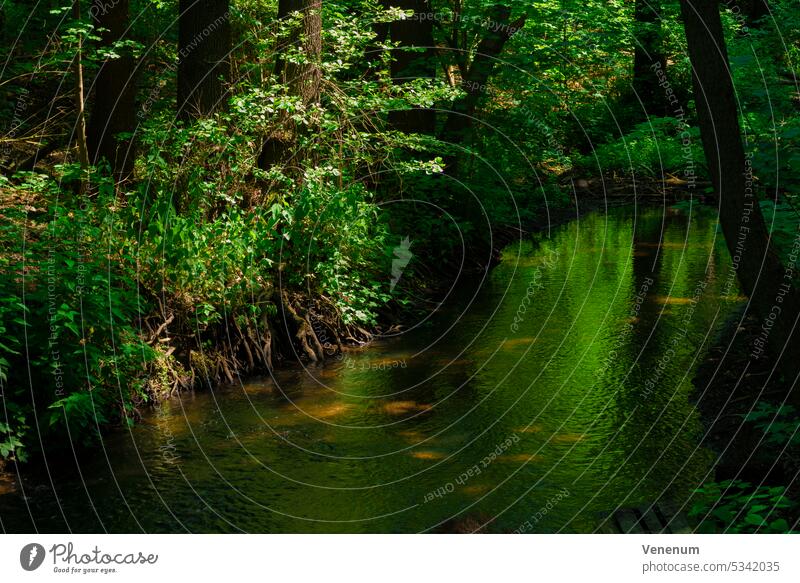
673, 301
514, 342
476, 489
428, 455
404, 407
530, 429
305, 411
412, 436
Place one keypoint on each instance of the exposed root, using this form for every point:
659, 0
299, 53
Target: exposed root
222, 353
304, 332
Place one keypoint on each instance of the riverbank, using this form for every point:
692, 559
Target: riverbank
190, 340
741, 398
310, 328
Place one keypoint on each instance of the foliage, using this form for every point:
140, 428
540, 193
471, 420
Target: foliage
764, 59
69, 290
200, 228
735, 506
779, 423
783, 220
651, 149
13, 432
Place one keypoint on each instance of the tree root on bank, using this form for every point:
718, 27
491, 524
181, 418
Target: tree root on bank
304, 332
186, 357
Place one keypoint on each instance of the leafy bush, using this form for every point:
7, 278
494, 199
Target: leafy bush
69, 289
739, 507
779, 424
783, 221
652, 149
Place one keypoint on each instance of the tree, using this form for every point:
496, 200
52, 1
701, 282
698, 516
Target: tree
114, 91
80, 97
475, 76
759, 269
754, 10
648, 52
301, 74
413, 59
204, 45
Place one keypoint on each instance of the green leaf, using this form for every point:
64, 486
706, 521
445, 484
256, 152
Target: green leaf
779, 525
755, 519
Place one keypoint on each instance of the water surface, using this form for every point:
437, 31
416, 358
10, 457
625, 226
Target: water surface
552, 389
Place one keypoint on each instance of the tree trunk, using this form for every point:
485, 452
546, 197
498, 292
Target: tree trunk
204, 45
761, 275
302, 79
80, 123
474, 83
114, 93
408, 65
753, 10
649, 52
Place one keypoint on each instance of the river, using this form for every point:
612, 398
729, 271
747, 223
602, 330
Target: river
555, 387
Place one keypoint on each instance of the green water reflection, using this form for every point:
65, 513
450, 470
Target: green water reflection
562, 377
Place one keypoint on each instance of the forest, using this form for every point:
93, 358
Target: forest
598, 199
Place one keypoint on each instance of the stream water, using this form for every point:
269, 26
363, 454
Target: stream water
555, 387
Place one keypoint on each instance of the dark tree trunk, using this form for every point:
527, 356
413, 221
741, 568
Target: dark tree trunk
408, 65
114, 93
649, 54
761, 275
753, 10
474, 83
204, 45
302, 79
